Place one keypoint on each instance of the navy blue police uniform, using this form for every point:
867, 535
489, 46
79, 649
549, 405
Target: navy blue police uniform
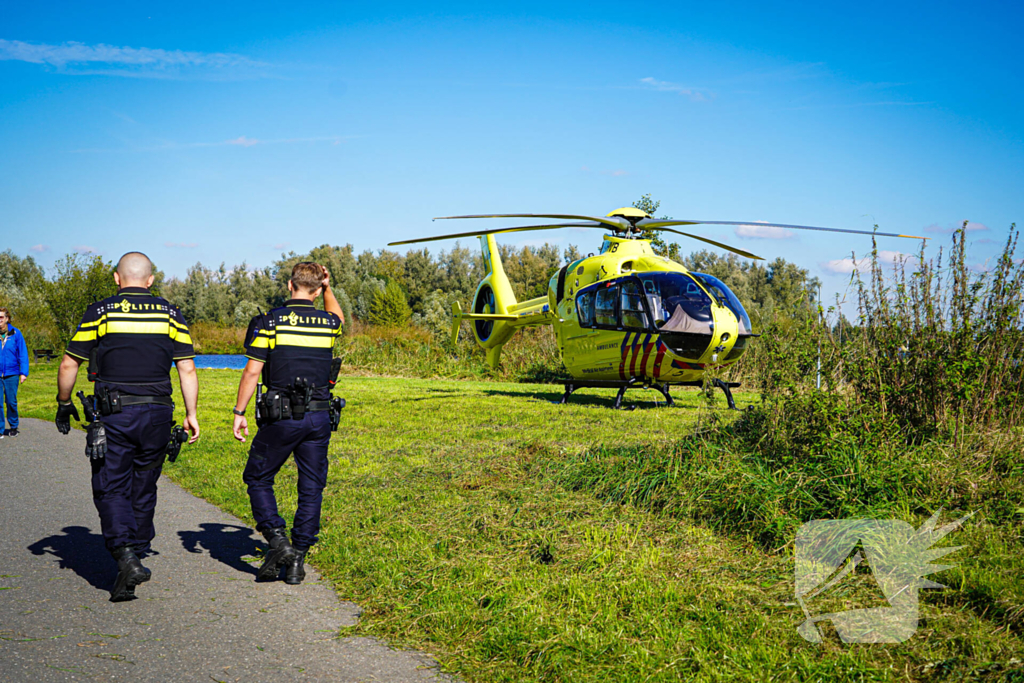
295, 343
135, 336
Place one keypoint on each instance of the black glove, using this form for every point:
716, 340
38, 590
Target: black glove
96, 441
65, 411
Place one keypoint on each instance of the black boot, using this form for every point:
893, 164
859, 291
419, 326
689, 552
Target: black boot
130, 573
278, 555
295, 572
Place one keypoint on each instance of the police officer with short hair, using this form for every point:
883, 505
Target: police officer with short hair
291, 347
130, 340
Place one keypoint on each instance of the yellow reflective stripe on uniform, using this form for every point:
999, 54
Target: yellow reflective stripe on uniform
126, 327
315, 341
94, 323
180, 337
84, 335
117, 315
263, 343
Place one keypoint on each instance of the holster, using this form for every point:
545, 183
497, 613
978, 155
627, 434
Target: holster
178, 437
336, 404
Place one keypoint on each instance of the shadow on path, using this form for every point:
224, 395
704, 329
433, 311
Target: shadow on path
81, 551
227, 543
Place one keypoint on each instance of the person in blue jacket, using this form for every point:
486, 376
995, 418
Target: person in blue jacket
13, 370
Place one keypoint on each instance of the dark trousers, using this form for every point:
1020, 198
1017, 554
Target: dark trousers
308, 439
124, 496
9, 391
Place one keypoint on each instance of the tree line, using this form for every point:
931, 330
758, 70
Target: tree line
379, 288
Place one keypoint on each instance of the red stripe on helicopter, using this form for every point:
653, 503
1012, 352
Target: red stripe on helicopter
647, 353
684, 365
622, 359
658, 358
637, 348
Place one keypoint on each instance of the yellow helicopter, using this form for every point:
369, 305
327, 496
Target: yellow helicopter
625, 317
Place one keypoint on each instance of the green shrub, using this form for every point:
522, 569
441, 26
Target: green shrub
389, 307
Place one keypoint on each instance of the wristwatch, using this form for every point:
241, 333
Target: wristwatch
236, 411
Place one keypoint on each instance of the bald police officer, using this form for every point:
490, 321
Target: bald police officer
130, 341
291, 347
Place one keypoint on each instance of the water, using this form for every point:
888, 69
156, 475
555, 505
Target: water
221, 361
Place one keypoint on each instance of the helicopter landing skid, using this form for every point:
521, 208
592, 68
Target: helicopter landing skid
622, 386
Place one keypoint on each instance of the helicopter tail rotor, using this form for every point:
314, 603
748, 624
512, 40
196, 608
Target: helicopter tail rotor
491, 314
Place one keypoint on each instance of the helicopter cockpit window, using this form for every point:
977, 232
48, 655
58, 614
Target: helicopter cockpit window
585, 308
678, 304
726, 296
634, 317
604, 307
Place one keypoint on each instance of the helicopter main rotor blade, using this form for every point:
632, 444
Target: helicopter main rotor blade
615, 222
478, 233
658, 224
745, 254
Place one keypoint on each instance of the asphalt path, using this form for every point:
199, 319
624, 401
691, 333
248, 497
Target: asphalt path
201, 617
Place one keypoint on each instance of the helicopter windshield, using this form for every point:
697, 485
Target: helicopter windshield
726, 296
678, 304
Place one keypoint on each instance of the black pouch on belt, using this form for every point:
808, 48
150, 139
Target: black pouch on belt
108, 401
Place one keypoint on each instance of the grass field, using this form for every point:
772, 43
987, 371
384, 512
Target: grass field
516, 540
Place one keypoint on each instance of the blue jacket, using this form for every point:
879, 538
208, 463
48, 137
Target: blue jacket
14, 355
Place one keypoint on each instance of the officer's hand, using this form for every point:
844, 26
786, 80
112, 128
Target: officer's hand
326, 283
192, 425
96, 441
65, 411
240, 427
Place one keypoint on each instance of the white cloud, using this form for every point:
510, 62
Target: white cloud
79, 53
617, 173
281, 246
181, 245
40, 248
134, 61
848, 265
763, 232
243, 141
695, 94
84, 249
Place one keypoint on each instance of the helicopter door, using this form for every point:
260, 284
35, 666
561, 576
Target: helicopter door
605, 310
640, 337
633, 315
594, 350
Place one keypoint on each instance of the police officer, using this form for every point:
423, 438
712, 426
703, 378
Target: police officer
130, 341
291, 347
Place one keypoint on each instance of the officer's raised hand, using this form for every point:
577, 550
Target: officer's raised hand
65, 411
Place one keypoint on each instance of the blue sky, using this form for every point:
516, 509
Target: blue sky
233, 131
